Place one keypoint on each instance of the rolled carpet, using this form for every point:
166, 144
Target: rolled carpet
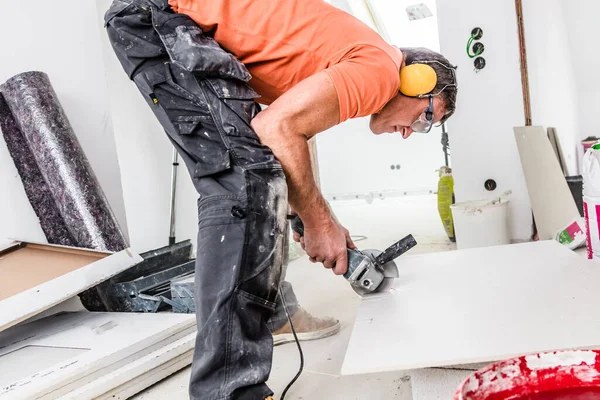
36, 189
68, 176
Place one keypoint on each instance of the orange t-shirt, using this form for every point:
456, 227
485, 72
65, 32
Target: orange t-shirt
282, 42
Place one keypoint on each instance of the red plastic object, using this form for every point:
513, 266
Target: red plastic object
560, 375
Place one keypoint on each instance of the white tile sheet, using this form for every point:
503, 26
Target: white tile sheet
478, 305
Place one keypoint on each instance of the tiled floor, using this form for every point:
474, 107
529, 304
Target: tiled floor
322, 293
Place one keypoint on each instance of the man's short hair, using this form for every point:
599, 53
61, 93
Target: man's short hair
447, 86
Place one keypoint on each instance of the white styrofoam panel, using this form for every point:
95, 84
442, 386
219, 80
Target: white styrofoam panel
478, 305
111, 341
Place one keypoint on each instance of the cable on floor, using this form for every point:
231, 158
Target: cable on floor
297, 344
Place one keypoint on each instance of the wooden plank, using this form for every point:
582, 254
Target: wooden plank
478, 305
551, 200
112, 340
139, 374
50, 275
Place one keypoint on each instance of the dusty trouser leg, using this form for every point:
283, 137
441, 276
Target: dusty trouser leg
199, 94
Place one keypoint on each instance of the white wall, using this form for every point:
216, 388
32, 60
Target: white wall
564, 91
581, 20
489, 105
555, 100
144, 154
63, 41
352, 160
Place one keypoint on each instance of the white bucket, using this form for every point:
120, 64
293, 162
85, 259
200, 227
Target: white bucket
481, 223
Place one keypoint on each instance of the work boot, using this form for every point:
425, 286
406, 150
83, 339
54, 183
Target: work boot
307, 328
270, 398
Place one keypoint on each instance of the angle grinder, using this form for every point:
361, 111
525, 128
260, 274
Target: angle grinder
369, 271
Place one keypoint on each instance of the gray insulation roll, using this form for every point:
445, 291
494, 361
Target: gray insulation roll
62, 163
36, 189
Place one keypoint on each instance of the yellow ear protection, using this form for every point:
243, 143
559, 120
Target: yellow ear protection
417, 80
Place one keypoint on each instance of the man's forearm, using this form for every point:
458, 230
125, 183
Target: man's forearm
308, 108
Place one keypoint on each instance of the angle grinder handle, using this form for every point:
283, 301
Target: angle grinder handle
354, 256
297, 224
396, 250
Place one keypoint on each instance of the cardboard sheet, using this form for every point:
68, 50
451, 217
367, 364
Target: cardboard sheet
36, 277
478, 305
27, 265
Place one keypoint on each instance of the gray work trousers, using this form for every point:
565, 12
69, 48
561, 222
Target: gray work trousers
200, 95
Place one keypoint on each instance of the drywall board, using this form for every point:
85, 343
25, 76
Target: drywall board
32, 359
112, 340
35, 277
551, 200
70, 305
477, 305
148, 379
555, 143
139, 374
126, 365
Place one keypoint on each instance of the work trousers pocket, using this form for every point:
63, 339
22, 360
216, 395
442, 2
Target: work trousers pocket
133, 38
189, 48
232, 108
141, 31
267, 223
177, 100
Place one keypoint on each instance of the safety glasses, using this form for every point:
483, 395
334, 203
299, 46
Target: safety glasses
424, 123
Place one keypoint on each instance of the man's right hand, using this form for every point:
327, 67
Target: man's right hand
327, 243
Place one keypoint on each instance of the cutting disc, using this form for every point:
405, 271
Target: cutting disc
390, 273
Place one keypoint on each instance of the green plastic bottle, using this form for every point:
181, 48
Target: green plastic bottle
445, 200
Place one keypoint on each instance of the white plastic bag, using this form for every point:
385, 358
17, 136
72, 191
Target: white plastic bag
591, 199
